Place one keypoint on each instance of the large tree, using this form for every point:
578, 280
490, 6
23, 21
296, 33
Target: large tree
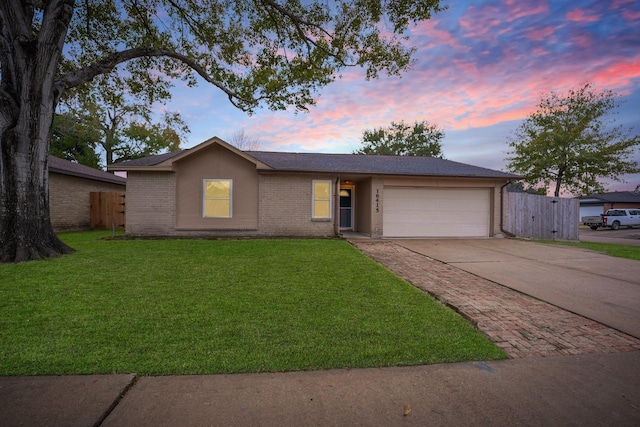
402, 139
261, 52
73, 140
122, 127
571, 141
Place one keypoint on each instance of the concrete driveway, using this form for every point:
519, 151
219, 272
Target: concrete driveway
600, 287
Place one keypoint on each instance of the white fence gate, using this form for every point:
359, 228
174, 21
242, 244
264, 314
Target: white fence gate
541, 217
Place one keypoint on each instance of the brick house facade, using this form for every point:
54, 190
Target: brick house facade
217, 190
69, 187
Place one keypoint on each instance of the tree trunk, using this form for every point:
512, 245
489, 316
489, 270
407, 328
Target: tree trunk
28, 98
559, 181
26, 232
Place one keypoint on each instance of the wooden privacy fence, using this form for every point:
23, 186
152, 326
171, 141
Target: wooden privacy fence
107, 210
542, 217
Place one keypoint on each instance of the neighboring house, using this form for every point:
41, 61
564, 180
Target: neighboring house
596, 204
215, 189
69, 187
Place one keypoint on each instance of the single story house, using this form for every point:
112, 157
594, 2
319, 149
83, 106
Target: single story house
70, 185
215, 189
596, 204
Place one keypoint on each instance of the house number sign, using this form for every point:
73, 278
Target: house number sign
377, 200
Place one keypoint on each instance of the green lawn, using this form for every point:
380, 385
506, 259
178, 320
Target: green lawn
159, 307
613, 249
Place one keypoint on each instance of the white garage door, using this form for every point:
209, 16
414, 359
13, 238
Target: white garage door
436, 212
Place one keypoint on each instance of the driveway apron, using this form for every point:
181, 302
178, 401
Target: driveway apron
599, 287
530, 299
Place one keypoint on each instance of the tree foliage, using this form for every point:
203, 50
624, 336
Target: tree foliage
270, 53
571, 141
72, 140
401, 139
122, 127
519, 187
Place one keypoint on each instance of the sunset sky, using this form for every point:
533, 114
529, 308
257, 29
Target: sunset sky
481, 67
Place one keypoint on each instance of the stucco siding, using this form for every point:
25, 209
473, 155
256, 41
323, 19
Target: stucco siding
151, 203
285, 203
216, 163
363, 207
69, 203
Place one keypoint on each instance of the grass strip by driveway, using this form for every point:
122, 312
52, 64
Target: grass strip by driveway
159, 307
613, 249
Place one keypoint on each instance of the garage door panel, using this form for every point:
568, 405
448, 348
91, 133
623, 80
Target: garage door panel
421, 212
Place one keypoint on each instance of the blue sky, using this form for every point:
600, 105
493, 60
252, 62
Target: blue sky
481, 67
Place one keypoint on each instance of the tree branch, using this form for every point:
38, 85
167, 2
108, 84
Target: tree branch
107, 64
297, 20
298, 23
191, 23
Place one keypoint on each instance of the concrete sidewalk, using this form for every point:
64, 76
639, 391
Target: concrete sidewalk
586, 390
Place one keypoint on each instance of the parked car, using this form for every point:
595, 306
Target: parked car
614, 219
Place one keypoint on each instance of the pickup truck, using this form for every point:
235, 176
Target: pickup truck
614, 218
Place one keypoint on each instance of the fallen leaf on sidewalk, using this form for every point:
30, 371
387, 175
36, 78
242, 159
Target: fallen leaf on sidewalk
407, 410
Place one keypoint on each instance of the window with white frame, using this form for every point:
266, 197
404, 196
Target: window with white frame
217, 198
321, 208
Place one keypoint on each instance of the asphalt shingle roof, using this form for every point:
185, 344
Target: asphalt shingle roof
151, 160
373, 164
616, 197
65, 167
352, 163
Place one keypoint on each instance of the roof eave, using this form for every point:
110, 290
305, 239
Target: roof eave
156, 168
390, 174
121, 181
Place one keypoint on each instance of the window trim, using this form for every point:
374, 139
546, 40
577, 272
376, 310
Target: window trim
314, 199
204, 196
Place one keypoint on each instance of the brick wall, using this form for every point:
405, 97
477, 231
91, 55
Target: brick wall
69, 204
151, 203
285, 206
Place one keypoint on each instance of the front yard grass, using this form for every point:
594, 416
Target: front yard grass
160, 307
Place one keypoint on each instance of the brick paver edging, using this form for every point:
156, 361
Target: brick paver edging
519, 324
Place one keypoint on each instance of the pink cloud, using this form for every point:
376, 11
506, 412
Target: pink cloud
538, 34
631, 15
480, 22
616, 4
617, 75
435, 37
518, 9
579, 15
462, 98
467, 99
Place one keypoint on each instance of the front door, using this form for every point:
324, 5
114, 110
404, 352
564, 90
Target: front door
346, 208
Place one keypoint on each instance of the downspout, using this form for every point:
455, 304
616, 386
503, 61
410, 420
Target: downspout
336, 208
502, 230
